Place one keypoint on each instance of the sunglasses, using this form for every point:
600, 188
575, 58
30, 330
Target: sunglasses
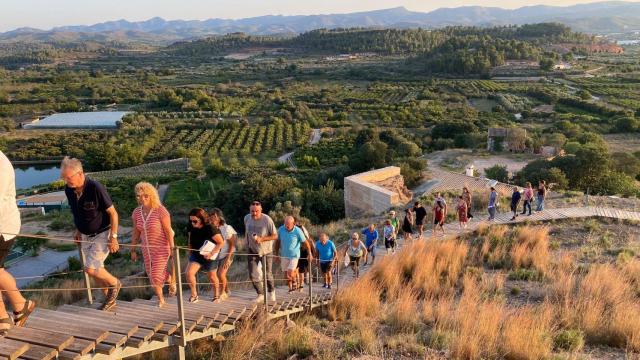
256, 203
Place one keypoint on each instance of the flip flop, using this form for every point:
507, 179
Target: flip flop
6, 321
20, 317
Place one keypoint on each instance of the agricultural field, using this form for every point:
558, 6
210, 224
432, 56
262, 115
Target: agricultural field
245, 140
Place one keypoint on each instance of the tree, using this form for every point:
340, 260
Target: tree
371, 155
324, 204
584, 94
30, 245
555, 177
626, 163
516, 139
627, 124
546, 64
497, 172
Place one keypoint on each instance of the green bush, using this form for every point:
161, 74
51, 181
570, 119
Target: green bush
525, 275
30, 245
497, 172
74, 263
569, 340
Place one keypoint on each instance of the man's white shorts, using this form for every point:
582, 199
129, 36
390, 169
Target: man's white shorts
288, 264
95, 249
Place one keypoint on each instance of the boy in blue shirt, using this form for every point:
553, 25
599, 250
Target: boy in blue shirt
327, 253
290, 237
371, 241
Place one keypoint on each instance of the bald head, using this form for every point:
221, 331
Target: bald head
289, 223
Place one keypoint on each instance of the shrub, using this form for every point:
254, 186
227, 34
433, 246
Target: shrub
30, 245
525, 274
569, 340
497, 172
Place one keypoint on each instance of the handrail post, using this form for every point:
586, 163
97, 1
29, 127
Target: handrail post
310, 281
87, 281
178, 274
264, 283
338, 275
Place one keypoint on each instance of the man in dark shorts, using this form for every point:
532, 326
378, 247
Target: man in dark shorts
421, 215
96, 221
327, 254
9, 228
303, 262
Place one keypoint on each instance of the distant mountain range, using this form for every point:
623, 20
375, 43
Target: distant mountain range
595, 18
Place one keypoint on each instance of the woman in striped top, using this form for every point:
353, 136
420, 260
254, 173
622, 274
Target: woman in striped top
152, 226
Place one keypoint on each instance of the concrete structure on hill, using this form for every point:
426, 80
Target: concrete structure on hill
374, 192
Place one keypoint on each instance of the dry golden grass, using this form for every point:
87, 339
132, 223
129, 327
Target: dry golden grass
531, 248
401, 313
359, 300
603, 304
526, 333
430, 269
432, 294
476, 323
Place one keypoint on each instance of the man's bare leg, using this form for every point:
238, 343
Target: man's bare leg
10, 290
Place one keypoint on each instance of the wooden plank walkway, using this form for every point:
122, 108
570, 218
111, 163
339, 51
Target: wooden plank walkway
138, 326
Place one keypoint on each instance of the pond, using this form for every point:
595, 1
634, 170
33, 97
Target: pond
31, 175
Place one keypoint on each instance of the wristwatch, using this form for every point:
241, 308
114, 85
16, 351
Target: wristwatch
114, 235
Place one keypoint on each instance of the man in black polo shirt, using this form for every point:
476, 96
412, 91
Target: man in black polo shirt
96, 222
421, 215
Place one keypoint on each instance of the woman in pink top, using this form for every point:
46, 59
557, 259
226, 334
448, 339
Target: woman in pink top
528, 198
152, 226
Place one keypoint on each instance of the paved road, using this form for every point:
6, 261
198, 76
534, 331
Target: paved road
316, 134
162, 191
34, 266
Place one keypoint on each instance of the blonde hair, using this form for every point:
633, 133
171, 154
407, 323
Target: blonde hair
71, 163
148, 189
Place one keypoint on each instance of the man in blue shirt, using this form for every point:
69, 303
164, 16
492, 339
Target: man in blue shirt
327, 253
371, 241
96, 222
290, 238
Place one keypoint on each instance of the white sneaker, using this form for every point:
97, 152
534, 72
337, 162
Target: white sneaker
260, 299
272, 296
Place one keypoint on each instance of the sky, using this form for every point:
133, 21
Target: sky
45, 14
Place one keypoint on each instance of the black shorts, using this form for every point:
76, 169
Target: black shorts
303, 265
5, 249
390, 243
326, 266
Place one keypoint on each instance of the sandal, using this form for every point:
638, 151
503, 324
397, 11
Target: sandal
9, 324
216, 299
20, 317
194, 299
173, 290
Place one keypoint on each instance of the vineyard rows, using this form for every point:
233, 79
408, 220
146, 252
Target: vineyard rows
246, 139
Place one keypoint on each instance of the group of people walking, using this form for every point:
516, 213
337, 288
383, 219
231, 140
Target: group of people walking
212, 242
416, 216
